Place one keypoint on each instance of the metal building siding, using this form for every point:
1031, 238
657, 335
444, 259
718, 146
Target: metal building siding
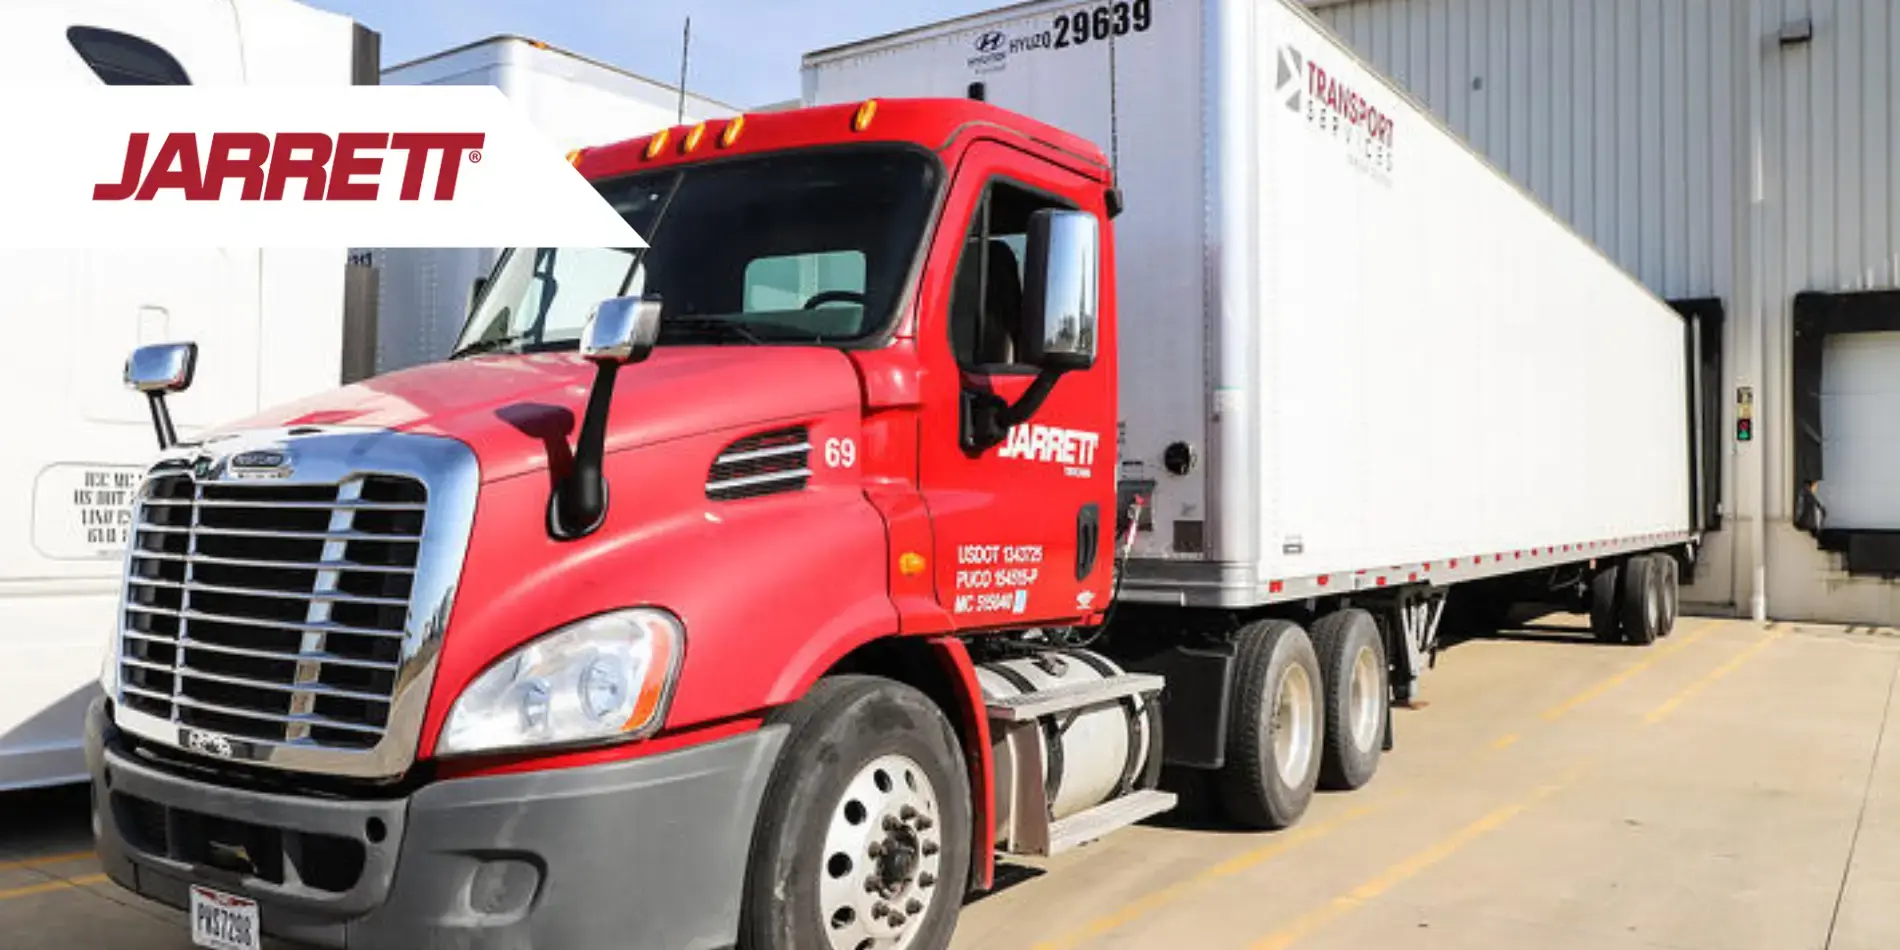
1706, 158
1616, 115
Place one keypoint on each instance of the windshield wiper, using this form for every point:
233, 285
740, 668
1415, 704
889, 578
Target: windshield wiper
718, 327
488, 346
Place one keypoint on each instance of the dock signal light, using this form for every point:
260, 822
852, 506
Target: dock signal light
1744, 430
866, 112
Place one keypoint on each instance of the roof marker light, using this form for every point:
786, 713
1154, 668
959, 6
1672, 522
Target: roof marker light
866, 113
731, 134
574, 157
692, 139
657, 142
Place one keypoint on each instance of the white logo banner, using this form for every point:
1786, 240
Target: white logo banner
289, 166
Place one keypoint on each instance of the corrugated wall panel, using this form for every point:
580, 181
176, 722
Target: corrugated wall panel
1631, 119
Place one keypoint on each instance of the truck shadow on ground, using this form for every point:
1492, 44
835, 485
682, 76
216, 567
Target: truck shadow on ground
40, 822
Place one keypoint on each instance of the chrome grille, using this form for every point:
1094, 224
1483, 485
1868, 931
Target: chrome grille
763, 464
269, 612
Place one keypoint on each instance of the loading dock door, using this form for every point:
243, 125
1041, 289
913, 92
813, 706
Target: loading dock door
1860, 431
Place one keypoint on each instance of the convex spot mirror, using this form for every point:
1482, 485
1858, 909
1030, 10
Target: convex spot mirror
622, 330
1061, 296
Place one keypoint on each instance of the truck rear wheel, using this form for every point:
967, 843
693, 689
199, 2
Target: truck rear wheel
863, 838
1275, 727
1642, 607
1606, 604
1353, 673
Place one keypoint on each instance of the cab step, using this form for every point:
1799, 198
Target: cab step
1117, 813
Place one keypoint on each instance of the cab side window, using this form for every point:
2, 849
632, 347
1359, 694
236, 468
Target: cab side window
986, 305
121, 59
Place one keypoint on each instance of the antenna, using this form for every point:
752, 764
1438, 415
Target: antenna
1114, 123
686, 47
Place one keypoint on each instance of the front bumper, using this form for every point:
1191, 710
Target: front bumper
644, 853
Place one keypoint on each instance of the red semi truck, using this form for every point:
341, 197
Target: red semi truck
759, 587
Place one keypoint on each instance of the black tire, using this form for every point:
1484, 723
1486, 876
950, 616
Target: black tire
1606, 604
1671, 592
1340, 639
1268, 657
838, 730
1642, 600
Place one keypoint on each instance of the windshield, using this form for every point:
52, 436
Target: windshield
800, 247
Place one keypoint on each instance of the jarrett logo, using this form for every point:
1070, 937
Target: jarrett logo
1337, 109
1073, 449
347, 167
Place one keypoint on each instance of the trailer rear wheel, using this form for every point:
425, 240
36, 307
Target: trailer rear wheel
1275, 728
1353, 673
1606, 602
863, 839
1642, 600
1671, 592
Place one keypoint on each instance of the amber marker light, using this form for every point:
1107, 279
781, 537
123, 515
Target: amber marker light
866, 113
692, 139
910, 564
657, 142
731, 134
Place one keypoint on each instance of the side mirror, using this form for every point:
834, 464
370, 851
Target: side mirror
1062, 293
162, 367
158, 370
622, 330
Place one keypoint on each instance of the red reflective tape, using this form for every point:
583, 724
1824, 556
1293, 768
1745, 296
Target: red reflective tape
1414, 575
1381, 580
1276, 587
1323, 579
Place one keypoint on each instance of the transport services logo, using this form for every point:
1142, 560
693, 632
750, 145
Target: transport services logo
288, 166
1332, 106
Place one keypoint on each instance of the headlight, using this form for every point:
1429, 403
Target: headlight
609, 676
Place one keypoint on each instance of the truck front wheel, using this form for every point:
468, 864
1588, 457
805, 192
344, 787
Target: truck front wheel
863, 838
1275, 726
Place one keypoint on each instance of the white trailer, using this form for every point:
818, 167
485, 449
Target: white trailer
574, 101
81, 441
1357, 358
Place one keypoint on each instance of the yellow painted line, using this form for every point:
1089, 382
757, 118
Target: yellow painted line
1408, 868
51, 886
1504, 742
1688, 692
45, 861
1283, 842
1655, 656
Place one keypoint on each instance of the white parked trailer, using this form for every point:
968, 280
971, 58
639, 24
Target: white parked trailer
424, 293
271, 320
1355, 355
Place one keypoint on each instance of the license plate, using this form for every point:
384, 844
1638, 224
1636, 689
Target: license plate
223, 921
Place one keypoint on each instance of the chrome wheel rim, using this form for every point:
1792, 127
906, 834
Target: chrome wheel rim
878, 872
1363, 700
1292, 726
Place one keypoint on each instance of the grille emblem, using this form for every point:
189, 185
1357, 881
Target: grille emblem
260, 463
206, 743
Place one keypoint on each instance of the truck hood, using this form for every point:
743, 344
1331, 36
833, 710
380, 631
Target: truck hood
511, 409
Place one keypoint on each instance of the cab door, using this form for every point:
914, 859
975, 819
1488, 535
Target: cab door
1024, 528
